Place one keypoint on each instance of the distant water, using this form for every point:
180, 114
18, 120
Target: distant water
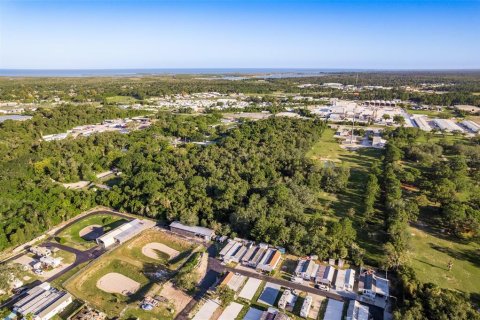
258, 72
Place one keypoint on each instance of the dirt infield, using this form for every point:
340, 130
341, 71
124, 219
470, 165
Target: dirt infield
91, 232
150, 249
117, 283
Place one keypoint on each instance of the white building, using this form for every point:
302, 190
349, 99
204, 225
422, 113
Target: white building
40, 251
470, 125
287, 299
43, 302
307, 304
124, 232
345, 280
306, 268
50, 261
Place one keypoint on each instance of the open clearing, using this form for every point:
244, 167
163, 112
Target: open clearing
337, 205
118, 283
151, 249
177, 297
72, 237
430, 257
91, 232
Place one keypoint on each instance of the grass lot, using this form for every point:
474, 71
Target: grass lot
287, 267
359, 162
433, 113
431, 253
121, 100
71, 237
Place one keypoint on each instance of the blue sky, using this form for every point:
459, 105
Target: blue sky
240, 34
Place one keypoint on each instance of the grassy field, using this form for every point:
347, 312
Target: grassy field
71, 237
121, 100
359, 162
430, 254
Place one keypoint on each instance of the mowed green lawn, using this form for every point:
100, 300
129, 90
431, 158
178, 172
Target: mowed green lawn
430, 256
71, 235
121, 99
359, 162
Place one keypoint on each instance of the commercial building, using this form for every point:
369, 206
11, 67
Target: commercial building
447, 125
124, 232
43, 302
357, 311
422, 123
192, 231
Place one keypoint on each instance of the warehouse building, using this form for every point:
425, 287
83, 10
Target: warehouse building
194, 231
124, 232
470, 125
43, 302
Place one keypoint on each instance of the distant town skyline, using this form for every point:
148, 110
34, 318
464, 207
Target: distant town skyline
355, 34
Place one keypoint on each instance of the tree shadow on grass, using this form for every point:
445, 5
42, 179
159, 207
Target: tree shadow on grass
472, 256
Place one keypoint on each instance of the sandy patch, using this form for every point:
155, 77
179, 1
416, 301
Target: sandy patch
76, 185
149, 250
178, 298
91, 232
316, 304
117, 283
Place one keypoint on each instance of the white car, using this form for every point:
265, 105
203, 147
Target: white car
38, 271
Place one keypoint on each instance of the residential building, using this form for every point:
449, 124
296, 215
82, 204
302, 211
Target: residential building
306, 268
357, 311
307, 304
269, 261
324, 276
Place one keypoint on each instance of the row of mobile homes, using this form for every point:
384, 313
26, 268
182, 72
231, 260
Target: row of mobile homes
306, 269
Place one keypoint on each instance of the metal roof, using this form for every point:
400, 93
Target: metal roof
194, 229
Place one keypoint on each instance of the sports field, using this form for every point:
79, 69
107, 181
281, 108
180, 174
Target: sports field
74, 236
118, 281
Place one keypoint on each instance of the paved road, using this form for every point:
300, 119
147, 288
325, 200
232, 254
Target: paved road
217, 266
